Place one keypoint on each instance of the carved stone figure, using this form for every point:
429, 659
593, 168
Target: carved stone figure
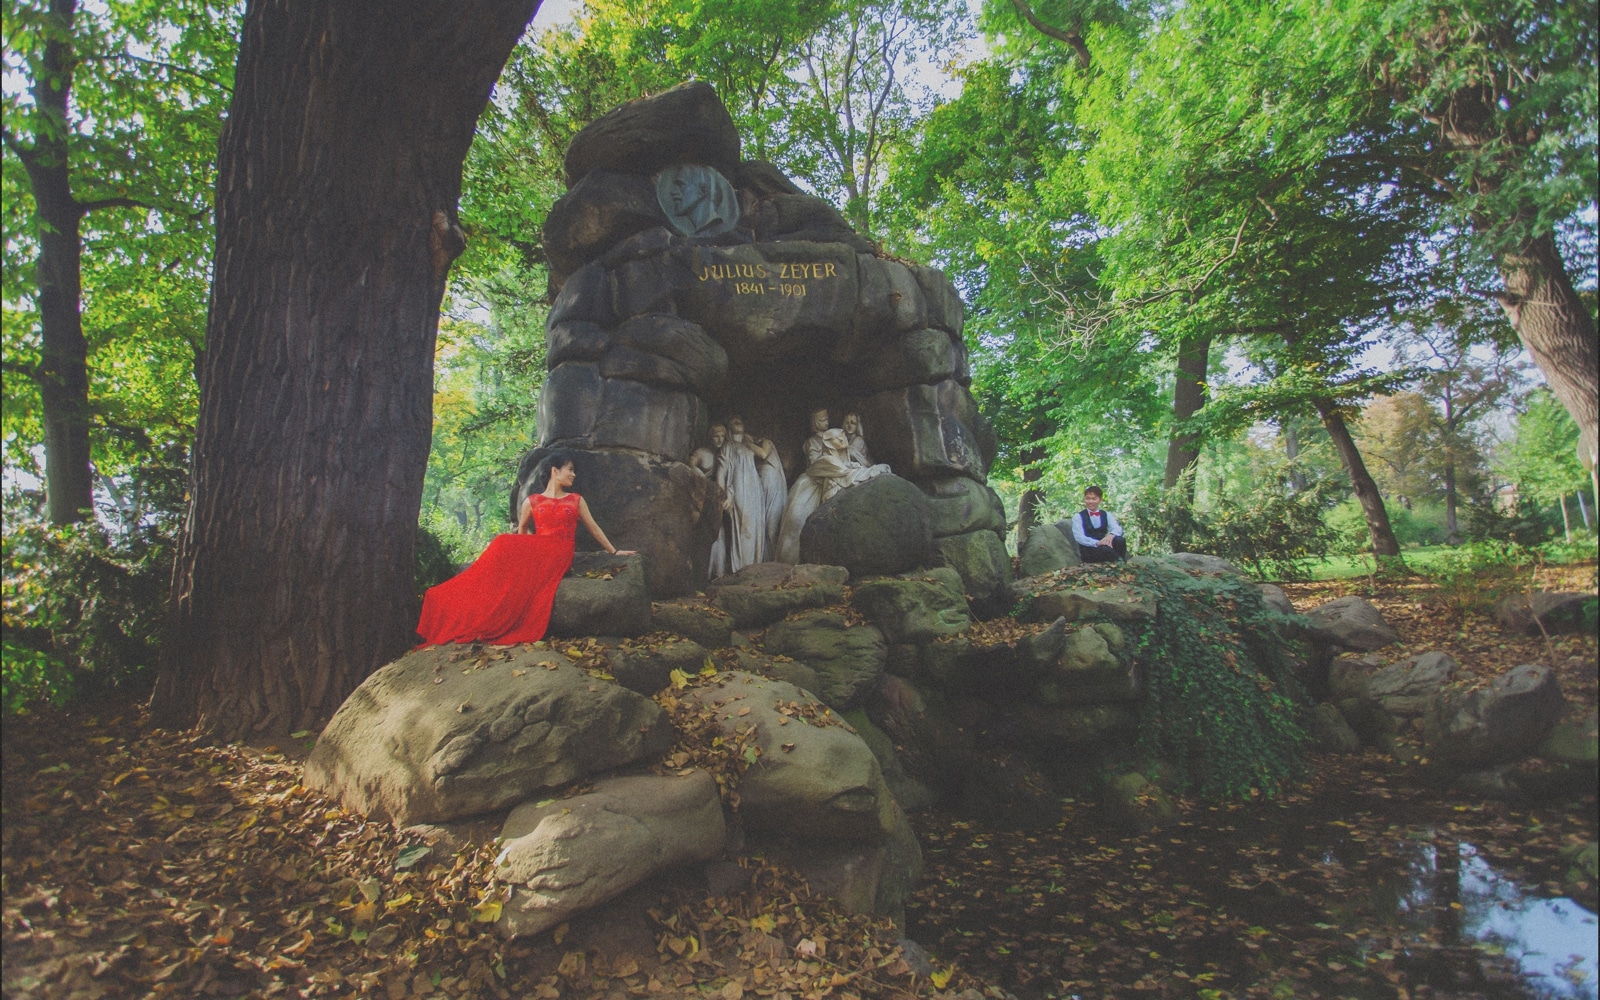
858, 444
814, 447
752, 475
698, 200
833, 472
705, 461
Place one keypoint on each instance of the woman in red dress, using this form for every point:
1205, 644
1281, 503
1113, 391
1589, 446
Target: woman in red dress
505, 596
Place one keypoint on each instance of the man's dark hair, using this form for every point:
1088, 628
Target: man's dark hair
1096, 491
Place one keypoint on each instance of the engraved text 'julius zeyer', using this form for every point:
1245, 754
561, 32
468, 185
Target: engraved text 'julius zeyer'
759, 279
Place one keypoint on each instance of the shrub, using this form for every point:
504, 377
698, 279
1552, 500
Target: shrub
1269, 531
434, 563
82, 607
1476, 575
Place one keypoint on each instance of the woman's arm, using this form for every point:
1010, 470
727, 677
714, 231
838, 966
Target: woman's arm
523, 517
594, 529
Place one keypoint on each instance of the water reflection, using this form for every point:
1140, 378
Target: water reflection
1552, 941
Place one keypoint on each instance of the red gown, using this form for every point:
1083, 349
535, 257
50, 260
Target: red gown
504, 597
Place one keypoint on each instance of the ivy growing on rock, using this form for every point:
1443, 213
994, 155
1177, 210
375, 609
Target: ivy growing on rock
1222, 714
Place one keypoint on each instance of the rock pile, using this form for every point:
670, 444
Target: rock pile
786, 311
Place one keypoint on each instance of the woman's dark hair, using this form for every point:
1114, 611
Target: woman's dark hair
541, 475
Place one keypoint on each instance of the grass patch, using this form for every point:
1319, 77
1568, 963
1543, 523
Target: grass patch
1432, 560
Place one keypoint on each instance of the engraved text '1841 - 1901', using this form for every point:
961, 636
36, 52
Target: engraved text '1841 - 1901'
775, 278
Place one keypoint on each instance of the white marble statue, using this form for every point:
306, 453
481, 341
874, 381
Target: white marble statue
705, 462
751, 473
814, 447
825, 477
858, 444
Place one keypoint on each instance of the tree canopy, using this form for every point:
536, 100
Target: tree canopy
1217, 247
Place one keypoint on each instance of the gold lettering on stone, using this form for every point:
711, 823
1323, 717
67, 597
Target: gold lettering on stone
750, 279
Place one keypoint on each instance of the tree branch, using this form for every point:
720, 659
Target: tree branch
160, 64
23, 152
118, 202
18, 368
1070, 36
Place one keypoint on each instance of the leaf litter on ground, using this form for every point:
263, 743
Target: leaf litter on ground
142, 862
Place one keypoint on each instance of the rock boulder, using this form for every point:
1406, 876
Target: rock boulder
1046, 551
1117, 602
693, 619
881, 526
686, 124
761, 594
1558, 611
602, 595
1353, 623
848, 658
648, 669
575, 853
1410, 686
454, 731
1500, 723
814, 777
912, 611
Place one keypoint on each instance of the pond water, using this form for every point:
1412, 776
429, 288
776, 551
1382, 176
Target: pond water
1344, 892
1552, 942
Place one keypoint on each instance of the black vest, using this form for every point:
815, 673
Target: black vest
1089, 529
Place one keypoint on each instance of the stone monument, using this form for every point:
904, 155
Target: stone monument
690, 284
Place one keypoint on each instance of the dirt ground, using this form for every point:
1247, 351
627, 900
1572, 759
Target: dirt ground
143, 862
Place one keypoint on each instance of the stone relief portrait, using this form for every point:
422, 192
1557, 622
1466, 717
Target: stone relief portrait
697, 199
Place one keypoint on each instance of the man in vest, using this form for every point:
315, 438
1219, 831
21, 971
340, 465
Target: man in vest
1098, 534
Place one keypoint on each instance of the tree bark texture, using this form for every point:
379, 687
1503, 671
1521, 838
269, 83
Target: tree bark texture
1032, 497
1291, 451
1451, 521
338, 180
1558, 332
1384, 544
63, 371
1188, 396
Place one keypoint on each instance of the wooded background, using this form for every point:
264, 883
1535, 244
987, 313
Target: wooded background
1287, 278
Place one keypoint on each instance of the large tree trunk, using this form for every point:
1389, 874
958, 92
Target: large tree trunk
338, 180
63, 371
1291, 451
1032, 497
1384, 545
1189, 395
1557, 330
1451, 523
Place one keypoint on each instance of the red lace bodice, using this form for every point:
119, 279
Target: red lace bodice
558, 517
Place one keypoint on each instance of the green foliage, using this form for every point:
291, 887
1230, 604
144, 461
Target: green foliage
1421, 524
150, 86
1270, 530
1543, 457
1223, 708
82, 606
1475, 576
434, 562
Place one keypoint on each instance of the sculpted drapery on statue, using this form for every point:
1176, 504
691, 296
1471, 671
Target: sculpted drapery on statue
751, 474
706, 462
815, 447
835, 470
858, 443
